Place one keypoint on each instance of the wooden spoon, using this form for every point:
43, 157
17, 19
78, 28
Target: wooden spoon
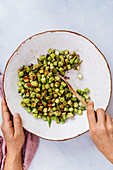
73, 91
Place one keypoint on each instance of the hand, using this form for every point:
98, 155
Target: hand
14, 136
101, 132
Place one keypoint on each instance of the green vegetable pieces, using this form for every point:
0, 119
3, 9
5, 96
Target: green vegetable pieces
47, 96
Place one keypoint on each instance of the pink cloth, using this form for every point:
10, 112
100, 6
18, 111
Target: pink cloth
29, 148
1, 91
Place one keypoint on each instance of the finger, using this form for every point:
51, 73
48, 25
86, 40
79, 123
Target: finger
109, 123
100, 115
112, 119
91, 114
5, 113
17, 124
108, 118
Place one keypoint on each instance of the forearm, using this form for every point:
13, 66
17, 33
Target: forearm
13, 161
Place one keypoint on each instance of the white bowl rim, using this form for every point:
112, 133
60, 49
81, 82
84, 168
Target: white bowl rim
65, 31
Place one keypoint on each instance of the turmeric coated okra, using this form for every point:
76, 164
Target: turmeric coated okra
46, 95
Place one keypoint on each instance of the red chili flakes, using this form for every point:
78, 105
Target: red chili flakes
29, 85
33, 77
40, 102
26, 79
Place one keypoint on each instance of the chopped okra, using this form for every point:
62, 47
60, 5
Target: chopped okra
80, 75
46, 95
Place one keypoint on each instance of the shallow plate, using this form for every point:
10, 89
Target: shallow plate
95, 70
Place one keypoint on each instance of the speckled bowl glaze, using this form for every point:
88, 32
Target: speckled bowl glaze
96, 76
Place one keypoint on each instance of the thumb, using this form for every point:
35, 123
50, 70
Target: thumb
17, 123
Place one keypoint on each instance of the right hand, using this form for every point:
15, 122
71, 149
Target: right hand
101, 131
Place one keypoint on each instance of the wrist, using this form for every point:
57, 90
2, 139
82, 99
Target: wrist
13, 160
13, 153
110, 159
13, 157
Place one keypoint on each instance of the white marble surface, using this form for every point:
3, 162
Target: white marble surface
94, 19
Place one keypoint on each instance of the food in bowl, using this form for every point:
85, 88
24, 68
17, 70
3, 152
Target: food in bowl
46, 95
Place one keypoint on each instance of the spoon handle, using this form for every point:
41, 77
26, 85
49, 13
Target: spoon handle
73, 91
80, 98
77, 95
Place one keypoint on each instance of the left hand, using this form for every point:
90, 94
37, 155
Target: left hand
14, 136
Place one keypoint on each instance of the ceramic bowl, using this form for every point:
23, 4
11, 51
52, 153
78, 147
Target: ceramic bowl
96, 76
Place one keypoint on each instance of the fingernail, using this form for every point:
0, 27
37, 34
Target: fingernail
3, 99
16, 115
90, 102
